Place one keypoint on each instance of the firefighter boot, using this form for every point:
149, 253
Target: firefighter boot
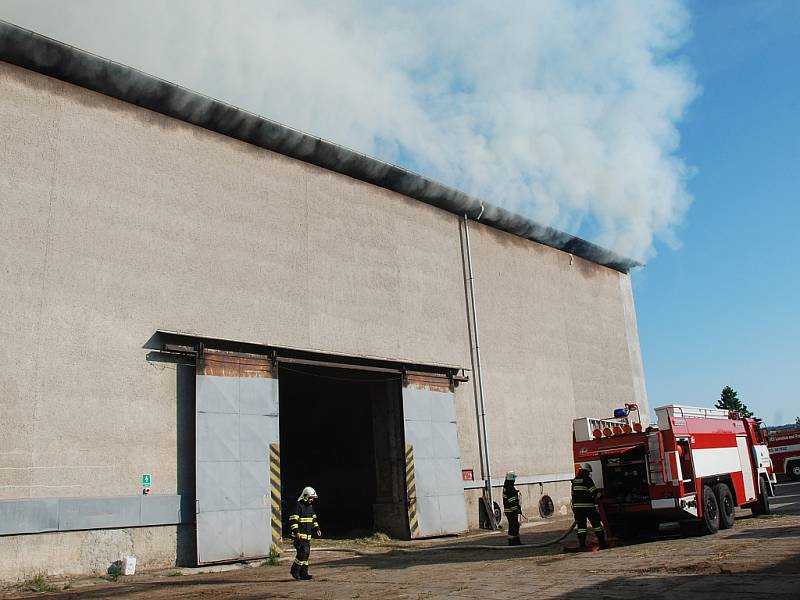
601, 538
304, 573
514, 541
582, 541
295, 571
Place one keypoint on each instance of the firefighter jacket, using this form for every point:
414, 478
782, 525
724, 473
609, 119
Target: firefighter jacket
511, 500
584, 491
303, 520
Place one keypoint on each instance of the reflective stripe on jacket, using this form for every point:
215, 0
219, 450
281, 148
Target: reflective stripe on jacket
583, 490
303, 520
511, 500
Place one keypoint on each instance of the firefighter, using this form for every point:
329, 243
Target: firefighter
584, 495
512, 509
303, 522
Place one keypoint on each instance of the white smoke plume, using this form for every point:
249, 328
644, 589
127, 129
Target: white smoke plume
563, 111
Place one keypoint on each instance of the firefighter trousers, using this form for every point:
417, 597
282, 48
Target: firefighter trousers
300, 564
513, 529
590, 514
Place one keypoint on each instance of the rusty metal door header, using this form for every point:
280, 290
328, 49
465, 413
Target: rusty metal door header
182, 343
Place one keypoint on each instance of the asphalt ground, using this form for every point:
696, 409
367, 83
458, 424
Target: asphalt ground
758, 558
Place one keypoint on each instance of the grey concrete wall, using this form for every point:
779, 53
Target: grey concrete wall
634, 349
555, 334
118, 221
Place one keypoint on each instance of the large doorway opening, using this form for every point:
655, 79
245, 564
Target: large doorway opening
341, 432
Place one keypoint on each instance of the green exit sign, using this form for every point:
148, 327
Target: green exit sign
146, 480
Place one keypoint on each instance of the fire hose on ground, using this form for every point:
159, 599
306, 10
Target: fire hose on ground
401, 549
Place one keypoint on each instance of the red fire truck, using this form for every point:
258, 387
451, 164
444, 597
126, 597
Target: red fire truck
784, 449
695, 466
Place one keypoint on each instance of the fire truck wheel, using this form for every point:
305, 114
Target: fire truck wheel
726, 504
794, 470
761, 506
710, 511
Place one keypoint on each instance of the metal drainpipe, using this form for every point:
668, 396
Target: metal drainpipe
479, 371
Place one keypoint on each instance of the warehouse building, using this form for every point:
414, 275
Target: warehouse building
203, 311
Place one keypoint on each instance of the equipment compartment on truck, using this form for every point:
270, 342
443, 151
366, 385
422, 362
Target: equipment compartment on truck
625, 477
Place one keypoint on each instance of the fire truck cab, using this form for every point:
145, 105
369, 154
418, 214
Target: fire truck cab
784, 449
695, 466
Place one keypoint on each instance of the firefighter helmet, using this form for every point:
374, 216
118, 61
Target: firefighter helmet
511, 476
308, 492
587, 467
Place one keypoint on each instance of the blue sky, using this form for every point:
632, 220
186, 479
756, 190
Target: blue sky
723, 308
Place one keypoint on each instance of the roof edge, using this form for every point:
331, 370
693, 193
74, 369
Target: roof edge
35, 52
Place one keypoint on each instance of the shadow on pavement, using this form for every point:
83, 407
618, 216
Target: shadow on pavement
767, 532
782, 584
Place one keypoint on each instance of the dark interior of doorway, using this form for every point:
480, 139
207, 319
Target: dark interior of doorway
341, 433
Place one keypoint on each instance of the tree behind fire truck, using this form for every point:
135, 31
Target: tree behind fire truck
695, 466
784, 450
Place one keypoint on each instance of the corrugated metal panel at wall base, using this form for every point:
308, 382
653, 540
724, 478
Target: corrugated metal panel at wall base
74, 514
